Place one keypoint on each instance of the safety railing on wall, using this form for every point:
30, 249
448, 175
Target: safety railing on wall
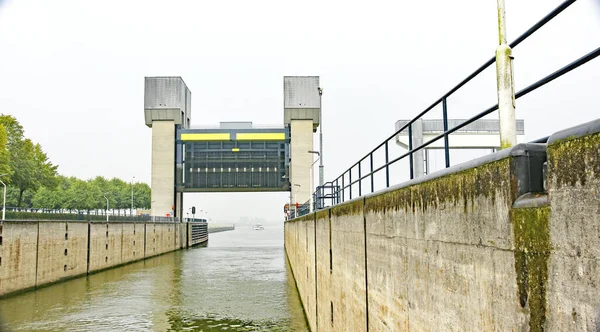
40, 214
341, 188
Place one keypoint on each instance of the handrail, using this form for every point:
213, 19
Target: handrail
336, 189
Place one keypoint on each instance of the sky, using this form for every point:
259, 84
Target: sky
72, 72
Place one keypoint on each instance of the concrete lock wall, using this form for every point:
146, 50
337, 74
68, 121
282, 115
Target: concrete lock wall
476, 247
37, 253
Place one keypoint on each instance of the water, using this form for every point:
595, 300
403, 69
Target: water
240, 282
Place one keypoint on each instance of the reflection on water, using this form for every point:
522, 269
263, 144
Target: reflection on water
240, 282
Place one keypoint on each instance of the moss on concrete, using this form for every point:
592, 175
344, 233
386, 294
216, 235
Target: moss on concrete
459, 188
574, 160
323, 214
347, 209
532, 249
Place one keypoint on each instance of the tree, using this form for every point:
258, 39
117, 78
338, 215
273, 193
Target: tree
14, 131
30, 166
141, 195
4, 155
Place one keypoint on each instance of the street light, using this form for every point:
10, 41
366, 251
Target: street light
311, 178
4, 201
131, 211
106, 206
320, 136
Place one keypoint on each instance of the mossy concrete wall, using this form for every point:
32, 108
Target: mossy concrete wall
457, 251
37, 253
573, 293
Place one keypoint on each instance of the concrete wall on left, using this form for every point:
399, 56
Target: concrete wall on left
37, 253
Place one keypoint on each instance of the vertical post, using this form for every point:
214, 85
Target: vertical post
343, 187
387, 167
410, 155
337, 192
504, 79
359, 181
320, 138
445, 120
4, 203
310, 204
372, 175
350, 182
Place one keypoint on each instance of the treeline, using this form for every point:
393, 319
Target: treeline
76, 194
33, 182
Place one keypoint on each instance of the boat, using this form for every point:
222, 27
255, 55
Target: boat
257, 227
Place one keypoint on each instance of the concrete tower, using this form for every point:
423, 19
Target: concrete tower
301, 112
167, 106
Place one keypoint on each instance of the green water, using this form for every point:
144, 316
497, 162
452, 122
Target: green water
239, 282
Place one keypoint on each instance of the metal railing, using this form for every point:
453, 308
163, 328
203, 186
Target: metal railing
335, 190
49, 214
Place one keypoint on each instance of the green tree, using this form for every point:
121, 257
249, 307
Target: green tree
30, 166
141, 195
4, 155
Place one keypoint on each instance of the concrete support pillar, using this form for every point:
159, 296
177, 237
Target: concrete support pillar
301, 132
163, 166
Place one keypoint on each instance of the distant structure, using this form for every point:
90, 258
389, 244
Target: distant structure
481, 134
233, 156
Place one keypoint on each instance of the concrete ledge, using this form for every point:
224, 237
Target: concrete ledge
585, 129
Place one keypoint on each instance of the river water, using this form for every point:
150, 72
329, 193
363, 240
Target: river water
239, 282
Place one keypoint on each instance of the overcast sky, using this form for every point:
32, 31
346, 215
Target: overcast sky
72, 72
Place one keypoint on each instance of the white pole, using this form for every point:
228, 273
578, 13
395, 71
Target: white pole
311, 179
4, 202
320, 138
506, 91
310, 191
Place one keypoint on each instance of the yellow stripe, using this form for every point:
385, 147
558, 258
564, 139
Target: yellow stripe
260, 136
206, 137
235, 150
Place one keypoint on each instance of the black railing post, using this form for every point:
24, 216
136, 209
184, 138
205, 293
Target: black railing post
359, 181
410, 155
343, 186
337, 191
445, 120
350, 181
372, 175
387, 166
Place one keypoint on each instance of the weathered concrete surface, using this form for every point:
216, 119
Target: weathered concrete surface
574, 267
18, 256
159, 238
62, 251
132, 242
458, 251
301, 132
36, 253
105, 245
163, 162
302, 256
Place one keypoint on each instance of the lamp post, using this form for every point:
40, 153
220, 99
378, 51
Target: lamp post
320, 137
311, 178
131, 211
106, 206
4, 201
